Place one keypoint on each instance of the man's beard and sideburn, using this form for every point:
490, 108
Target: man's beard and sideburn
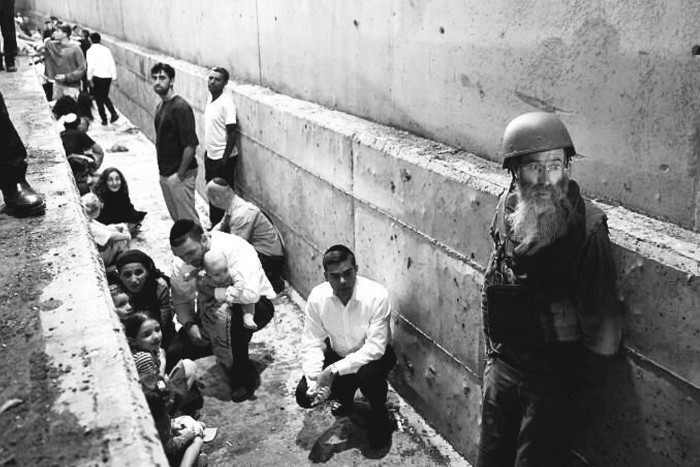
539, 221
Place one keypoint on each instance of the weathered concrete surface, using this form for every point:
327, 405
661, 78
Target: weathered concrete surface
88, 360
417, 213
621, 73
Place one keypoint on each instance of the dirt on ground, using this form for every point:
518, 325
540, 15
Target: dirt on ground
31, 433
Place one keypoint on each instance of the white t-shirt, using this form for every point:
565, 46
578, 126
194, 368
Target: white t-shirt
217, 115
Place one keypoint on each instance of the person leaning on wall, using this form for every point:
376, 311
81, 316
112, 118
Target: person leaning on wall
549, 300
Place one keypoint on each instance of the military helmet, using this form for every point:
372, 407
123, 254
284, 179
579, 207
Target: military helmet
535, 132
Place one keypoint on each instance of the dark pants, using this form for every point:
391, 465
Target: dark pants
7, 24
242, 372
222, 168
370, 379
101, 92
273, 266
526, 418
13, 154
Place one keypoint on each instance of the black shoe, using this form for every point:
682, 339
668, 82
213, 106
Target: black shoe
104, 122
342, 408
23, 201
114, 118
2, 67
379, 430
240, 394
10, 67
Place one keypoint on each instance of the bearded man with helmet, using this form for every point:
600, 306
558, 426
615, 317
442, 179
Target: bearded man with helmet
550, 309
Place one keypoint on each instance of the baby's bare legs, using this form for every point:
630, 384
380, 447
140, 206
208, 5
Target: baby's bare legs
248, 314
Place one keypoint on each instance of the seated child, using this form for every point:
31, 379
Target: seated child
217, 274
111, 240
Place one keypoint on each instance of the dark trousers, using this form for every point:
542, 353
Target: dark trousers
370, 379
242, 372
526, 418
13, 154
273, 266
7, 25
222, 168
101, 92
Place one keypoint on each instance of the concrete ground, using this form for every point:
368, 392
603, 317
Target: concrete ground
269, 429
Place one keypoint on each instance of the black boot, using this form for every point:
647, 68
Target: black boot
22, 201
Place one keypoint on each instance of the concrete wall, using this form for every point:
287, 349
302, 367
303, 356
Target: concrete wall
620, 73
417, 212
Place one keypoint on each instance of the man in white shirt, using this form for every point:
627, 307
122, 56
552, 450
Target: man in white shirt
346, 343
101, 71
219, 135
201, 335
246, 220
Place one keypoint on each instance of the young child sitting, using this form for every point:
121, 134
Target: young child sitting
110, 240
181, 436
217, 274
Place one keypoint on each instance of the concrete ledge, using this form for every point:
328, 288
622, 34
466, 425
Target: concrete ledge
417, 213
98, 383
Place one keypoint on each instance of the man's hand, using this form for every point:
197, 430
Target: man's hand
325, 378
316, 393
176, 177
195, 335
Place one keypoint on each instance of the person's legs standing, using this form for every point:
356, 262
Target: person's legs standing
20, 199
179, 196
107, 84
501, 415
100, 89
214, 168
165, 186
9, 35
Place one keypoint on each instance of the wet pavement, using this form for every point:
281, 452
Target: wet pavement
268, 429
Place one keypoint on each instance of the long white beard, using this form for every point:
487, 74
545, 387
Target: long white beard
539, 221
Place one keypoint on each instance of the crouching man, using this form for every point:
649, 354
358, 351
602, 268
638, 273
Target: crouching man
346, 343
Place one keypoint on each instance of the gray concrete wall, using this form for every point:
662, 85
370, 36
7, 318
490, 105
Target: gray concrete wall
416, 212
620, 73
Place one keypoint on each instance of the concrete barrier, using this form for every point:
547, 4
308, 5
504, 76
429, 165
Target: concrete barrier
417, 212
92, 367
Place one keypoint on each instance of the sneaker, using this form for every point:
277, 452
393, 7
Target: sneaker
11, 68
342, 409
114, 118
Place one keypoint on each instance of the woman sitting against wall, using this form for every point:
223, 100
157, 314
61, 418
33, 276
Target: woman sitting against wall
113, 190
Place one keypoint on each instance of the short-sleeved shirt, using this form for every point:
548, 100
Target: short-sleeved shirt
76, 141
175, 130
217, 115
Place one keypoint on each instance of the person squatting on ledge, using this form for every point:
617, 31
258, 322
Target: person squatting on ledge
550, 309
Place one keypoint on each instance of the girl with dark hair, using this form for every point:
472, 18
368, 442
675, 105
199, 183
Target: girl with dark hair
113, 191
148, 290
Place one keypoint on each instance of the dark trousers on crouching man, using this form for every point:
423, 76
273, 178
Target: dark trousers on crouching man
370, 379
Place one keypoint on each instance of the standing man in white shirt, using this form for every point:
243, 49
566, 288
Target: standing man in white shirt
346, 344
219, 135
101, 71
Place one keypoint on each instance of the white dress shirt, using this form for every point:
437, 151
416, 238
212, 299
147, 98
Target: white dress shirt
241, 258
100, 62
359, 331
